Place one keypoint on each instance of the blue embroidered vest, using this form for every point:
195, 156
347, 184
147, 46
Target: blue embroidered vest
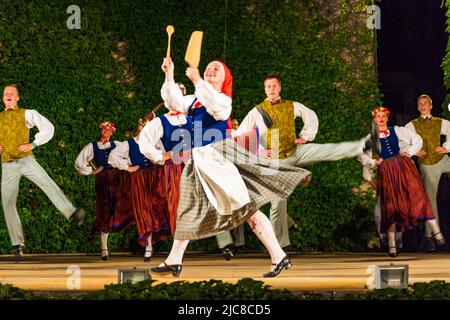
101, 155
136, 157
389, 145
175, 135
204, 128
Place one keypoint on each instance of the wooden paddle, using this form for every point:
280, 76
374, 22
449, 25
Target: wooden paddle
194, 49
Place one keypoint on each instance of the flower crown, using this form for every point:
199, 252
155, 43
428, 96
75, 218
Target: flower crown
380, 109
107, 124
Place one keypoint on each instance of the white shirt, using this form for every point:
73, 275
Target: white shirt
87, 154
119, 157
254, 120
445, 130
408, 141
45, 127
220, 179
150, 143
216, 104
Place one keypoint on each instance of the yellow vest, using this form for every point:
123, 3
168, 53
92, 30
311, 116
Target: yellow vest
430, 131
282, 134
13, 133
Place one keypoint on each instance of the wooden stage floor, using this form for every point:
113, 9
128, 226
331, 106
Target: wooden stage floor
310, 272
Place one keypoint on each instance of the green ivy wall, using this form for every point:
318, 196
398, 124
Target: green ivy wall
110, 70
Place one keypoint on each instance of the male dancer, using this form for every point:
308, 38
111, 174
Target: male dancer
433, 158
18, 160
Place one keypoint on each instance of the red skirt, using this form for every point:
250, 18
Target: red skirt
404, 201
172, 190
150, 204
113, 201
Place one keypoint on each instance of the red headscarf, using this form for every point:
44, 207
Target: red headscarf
227, 85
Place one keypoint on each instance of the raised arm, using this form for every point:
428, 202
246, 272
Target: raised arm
216, 103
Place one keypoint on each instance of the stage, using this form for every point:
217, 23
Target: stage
320, 272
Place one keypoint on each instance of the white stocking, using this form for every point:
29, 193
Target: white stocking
263, 229
177, 252
148, 248
435, 230
391, 236
104, 241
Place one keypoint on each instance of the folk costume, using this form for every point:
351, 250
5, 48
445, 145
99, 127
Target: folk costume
112, 189
147, 193
433, 165
281, 135
223, 185
403, 199
167, 133
15, 125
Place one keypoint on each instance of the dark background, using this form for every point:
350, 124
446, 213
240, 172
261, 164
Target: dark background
411, 47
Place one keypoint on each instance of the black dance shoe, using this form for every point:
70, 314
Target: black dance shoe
227, 253
18, 253
285, 263
175, 269
439, 242
430, 245
147, 259
393, 252
105, 257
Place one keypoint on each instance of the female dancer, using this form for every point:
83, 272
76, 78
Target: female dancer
403, 199
148, 192
112, 192
219, 193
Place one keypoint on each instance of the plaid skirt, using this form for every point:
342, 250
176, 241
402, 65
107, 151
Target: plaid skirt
403, 198
265, 180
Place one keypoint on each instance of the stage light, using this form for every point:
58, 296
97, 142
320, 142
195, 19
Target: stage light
391, 276
133, 275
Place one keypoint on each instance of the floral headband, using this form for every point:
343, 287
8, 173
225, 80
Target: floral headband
107, 124
377, 110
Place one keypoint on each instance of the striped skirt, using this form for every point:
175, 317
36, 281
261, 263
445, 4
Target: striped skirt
265, 181
172, 174
150, 204
404, 201
112, 201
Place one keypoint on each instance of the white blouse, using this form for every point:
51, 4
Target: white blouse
221, 180
87, 154
408, 141
150, 143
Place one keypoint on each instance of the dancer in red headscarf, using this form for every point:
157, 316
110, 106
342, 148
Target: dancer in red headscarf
222, 184
112, 186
